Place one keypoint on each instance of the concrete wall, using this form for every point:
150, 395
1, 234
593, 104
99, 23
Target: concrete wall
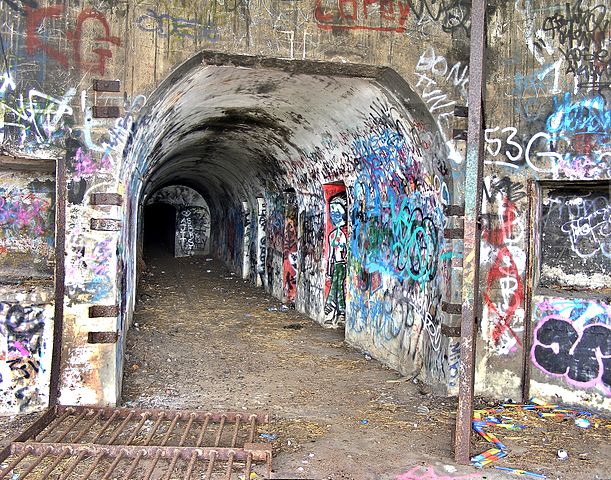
547, 119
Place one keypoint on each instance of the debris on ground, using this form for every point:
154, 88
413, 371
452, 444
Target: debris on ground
504, 416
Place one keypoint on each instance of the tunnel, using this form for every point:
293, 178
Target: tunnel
325, 184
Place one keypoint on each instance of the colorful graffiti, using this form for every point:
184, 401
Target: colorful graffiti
290, 249
166, 25
504, 294
336, 252
25, 336
572, 341
32, 118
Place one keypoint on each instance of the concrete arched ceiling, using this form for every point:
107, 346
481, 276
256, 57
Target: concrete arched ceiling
232, 132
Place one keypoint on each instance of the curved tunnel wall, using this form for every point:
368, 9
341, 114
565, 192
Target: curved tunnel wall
370, 255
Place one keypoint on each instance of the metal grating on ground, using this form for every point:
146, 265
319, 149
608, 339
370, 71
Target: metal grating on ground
123, 443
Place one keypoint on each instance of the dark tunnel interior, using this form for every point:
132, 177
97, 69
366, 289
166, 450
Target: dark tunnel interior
159, 228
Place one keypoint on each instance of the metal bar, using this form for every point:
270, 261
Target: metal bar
55, 463
78, 418
187, 429
134, 464
217, 440
251, 434
14, 462
120, 429
248, 466
168, 474
167, 435
200, 439
88, 427
104, 427
48, 419
190, 467
212, 458
151, 469
131, 451
532, 220
73, 465
214, 417
60, 274
34, 464
473, 199
145, 417
229, 467
154, 429
113, 465
94, 465
236, 430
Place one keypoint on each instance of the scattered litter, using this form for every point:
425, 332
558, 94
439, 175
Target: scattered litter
293, 326
208, 259
270, 437
489, 456
364, 421
367, 356
423, 409
272, 309
582, 422
300, 469
489, 417
311, 455
208, 271
252, 476
450, 468
517, 471
284, 308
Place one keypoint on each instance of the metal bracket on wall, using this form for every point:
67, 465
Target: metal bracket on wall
107, 111
106, 85
98, 311
102, 337
106, 199
105, 224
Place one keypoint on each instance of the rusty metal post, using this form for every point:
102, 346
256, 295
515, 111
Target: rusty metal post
60, 247
473, 203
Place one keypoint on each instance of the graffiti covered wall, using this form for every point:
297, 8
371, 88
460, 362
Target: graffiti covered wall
90, 82
546, 191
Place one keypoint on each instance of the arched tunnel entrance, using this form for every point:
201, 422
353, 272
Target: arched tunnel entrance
326, 184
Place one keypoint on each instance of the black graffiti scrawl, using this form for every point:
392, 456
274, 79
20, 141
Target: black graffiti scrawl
581, 355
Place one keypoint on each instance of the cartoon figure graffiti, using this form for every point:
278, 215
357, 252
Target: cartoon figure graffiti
335, 306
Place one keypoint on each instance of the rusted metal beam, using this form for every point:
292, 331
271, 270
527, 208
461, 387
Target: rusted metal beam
260, 418
60, 274
473, 200
258, 452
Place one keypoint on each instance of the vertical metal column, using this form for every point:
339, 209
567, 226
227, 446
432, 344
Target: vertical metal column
472, 231
60, 247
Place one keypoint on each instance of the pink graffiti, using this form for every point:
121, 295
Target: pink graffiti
24, 351
85, 165
428, 473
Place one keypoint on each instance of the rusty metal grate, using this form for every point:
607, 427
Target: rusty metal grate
124, 443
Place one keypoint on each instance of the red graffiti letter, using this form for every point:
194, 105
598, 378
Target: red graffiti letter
98, 65
34, 21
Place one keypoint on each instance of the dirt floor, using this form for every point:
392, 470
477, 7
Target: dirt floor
205, 339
